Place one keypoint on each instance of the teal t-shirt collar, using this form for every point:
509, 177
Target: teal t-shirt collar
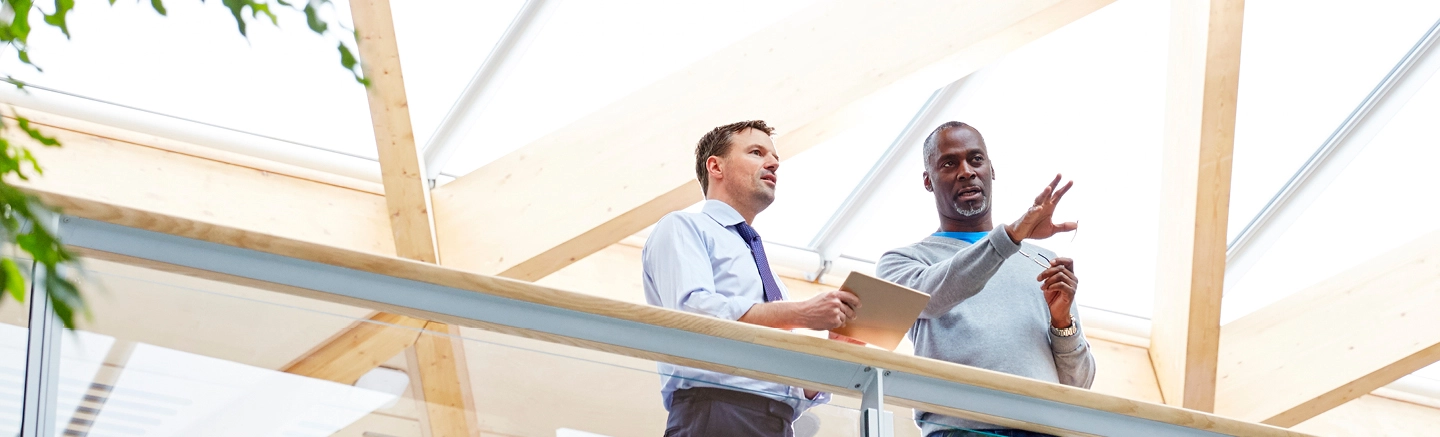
968, 237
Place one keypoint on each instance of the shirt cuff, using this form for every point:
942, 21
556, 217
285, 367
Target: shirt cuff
1000, 240
820, 399
1065, 345
736, 308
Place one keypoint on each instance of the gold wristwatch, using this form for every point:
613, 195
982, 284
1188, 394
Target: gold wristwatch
1068, 331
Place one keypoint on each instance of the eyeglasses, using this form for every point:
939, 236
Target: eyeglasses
1047, 262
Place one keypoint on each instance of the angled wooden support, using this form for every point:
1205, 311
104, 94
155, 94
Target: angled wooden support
1335, 341
407, 195
437, 363
1195, 197
358, 349
549, 203
443, 382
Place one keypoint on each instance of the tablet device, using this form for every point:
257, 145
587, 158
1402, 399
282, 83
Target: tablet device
887, 310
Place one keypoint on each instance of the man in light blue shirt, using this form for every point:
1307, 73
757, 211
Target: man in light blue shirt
713, 263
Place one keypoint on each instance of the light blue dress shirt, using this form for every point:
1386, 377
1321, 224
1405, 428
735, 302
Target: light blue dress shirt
698, 263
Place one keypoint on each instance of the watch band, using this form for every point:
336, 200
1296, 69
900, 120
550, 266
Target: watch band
1069, 331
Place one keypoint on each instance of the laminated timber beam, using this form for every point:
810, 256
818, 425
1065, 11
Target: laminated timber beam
407, 195
155, 174
1195, 197
443, 381
1334, 342
358, 349
614, 172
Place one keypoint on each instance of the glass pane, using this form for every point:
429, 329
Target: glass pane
442, 43
1294, 93
14, 335
1430, 374
933, 426
586, 392
818, 180
173, 355
591, 54
283, 82
1086, 100
1379, 186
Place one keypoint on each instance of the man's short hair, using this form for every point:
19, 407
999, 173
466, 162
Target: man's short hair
932, 142
717, 143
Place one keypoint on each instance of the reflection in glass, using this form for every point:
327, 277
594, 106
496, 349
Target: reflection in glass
12, 375
173, 355
14, 318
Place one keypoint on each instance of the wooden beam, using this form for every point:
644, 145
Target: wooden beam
407, 194
196, 182
1336, 341
549, 204
438, 363
82, 207
1195, 197
443, 375
185, 180
358, 349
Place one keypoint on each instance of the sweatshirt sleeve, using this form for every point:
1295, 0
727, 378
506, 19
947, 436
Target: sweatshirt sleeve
1073, 361
952, 280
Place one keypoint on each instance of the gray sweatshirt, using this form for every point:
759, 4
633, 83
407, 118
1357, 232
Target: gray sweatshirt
986, 310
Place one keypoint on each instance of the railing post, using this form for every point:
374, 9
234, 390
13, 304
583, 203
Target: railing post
874, 420
42, 360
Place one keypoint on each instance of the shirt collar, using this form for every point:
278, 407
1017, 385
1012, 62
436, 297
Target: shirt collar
722, 213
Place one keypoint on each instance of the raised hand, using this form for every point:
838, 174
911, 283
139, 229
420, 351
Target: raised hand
1058, 284
1037, 222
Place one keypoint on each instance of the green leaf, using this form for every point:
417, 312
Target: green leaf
19, 28
258, 8
237, 8
14, 281
57, 19
25, 57
159, 6
25, 156
347, 59
64, 297
28, 243
35, 133
312, 18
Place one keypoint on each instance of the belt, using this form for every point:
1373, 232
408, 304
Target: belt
744, 400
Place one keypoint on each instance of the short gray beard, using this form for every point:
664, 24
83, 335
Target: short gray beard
984, 202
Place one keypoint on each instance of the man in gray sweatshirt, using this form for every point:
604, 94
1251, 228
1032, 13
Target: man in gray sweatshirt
991, 305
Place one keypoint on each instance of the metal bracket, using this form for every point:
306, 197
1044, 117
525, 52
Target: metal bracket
819, 274
874, 420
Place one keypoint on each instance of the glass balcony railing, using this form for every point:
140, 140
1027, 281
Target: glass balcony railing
192, 337
170, 355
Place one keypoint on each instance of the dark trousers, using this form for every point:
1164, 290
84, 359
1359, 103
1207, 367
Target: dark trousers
988, 433
704, 412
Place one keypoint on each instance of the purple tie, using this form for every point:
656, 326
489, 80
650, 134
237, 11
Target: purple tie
772, 291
